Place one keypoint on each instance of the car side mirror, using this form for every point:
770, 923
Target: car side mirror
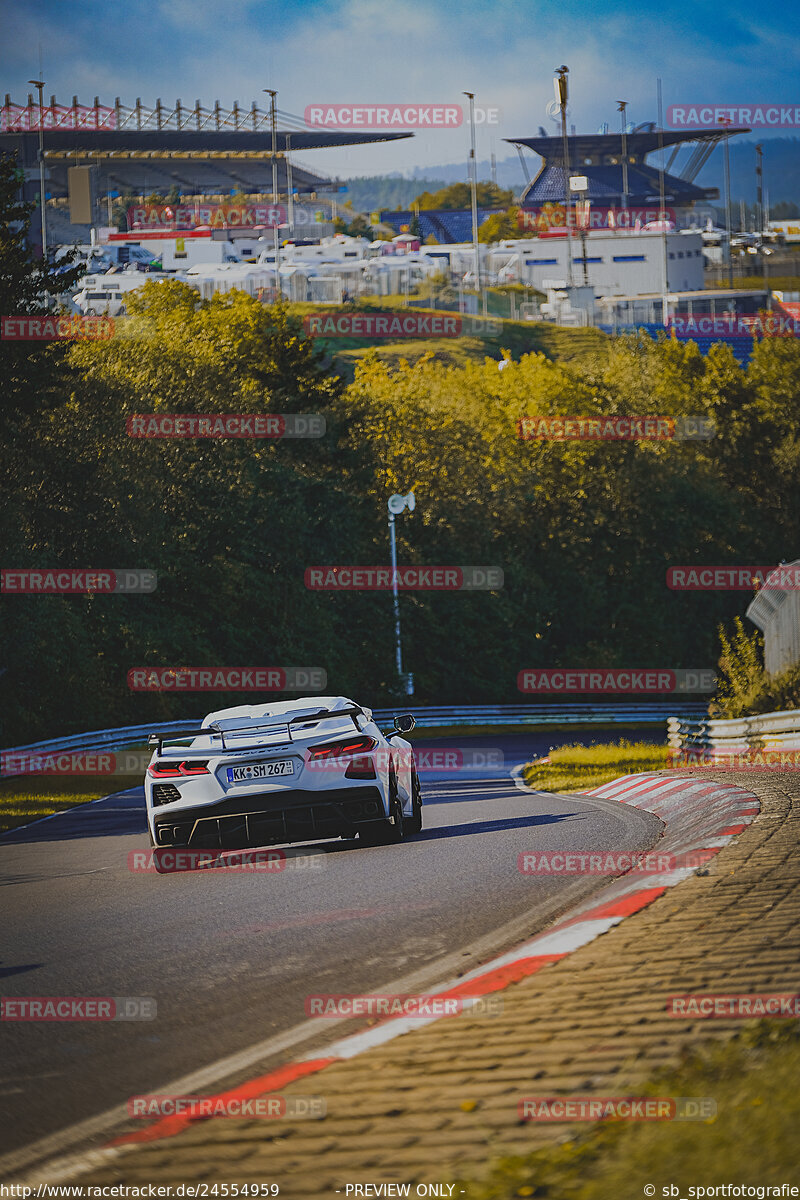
404, 724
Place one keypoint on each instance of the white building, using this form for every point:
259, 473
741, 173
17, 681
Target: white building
776, 612
620, 263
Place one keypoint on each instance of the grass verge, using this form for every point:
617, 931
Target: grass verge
755, 283
579, 768
518, 337
752, 1141
26, 798
23, 799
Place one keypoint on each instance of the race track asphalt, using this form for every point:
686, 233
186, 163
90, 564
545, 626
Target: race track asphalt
230, 958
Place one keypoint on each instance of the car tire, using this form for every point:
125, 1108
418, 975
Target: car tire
413, 824
391, 829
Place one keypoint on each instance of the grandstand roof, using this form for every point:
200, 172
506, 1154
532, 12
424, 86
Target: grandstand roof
639, 143
144, 149
599, 158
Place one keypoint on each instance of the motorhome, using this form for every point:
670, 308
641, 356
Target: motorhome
177, 251
338, 249
105, 293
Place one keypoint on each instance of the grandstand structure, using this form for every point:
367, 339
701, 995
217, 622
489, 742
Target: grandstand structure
446, 225
613, 183
635, 188
141, 149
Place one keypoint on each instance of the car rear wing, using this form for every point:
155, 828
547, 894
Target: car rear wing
275, 725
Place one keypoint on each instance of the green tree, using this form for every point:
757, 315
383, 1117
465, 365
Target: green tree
784, 210
213, 518
359, 226
459, 196
28, 285
500, 226
119, 211
584, 531
741, 666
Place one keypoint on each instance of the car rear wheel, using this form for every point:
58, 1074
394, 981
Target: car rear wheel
391, 829
413, 824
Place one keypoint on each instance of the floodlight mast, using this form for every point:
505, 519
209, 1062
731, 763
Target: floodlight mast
725, 122
562, 98
274, 123
39, 85
396, 505
621, 108
580, 185
473, 180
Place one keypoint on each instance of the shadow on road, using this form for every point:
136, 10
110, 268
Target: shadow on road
123, 814
498, 826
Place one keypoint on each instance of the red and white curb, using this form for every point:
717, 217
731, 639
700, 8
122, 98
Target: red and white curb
700, 818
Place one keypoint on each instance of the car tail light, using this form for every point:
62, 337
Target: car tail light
343, 749
171, 770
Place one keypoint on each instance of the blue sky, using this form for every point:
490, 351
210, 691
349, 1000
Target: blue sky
370, 51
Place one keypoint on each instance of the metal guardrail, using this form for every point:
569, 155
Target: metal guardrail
769, 731
651, 713
545, 714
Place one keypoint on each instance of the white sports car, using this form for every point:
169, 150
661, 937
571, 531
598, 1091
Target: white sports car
292, 771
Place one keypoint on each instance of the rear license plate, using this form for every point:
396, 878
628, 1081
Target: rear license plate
263, 770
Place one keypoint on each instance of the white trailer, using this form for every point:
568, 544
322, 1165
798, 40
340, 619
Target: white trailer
789, 229
176, 252
104, 294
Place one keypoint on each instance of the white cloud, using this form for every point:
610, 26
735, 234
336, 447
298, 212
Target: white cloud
422, 50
